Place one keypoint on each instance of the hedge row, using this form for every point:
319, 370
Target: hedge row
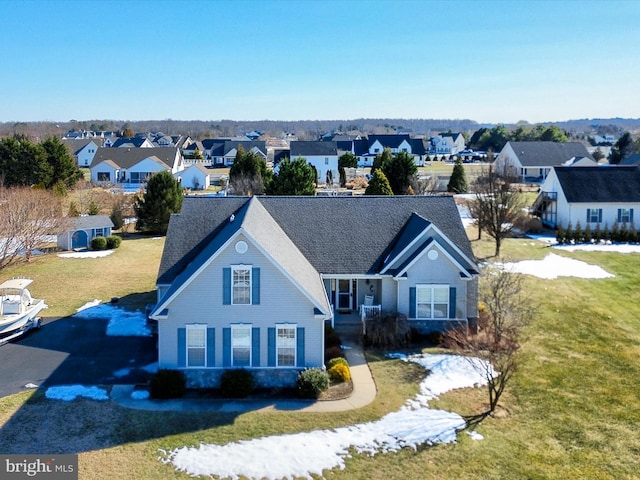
618, 233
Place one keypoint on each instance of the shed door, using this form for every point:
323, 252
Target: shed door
79, 239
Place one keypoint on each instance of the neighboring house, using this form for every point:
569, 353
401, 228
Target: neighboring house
322, 155
601, 195
133, 142
251, 282
395, 143
221, 152
359, 147
195, 177
84, 229
446, 144
83, 150
532, 161
133, 165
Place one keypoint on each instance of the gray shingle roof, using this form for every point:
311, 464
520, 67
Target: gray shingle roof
128, 157
600, 184
91, 221
391, 141
301, 149
547, 154
338, 235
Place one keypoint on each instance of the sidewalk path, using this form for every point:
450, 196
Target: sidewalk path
364, 392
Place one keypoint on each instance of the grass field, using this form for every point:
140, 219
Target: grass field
571, 412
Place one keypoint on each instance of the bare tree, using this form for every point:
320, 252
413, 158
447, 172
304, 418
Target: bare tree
504, 311
497, 207
30, 217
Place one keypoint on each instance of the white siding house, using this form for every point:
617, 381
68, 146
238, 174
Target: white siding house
231, 264
594, 196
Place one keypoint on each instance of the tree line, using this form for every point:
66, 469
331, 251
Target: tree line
47, 164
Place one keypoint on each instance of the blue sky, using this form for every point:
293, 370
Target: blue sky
489, 61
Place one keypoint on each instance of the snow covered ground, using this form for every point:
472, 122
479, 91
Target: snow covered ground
310, 453
554, 266
121, 322
86, 254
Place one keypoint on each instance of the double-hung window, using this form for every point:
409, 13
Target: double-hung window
432, 301
594, 215
241, 285
625, 215
241, 345
196, 345
286, 345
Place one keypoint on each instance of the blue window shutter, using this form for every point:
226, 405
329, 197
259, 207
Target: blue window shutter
226, 286
588, 215
599, 215
255, 287
271, 347
619, 215
300, 347
452, 302
255, 347
412, 302
631, 214
211, 347
226, 347
182, 347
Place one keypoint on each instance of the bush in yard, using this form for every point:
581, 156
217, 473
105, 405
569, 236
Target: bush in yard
113, 242
99, 243
335, 361
339, 373
312, 382
168, 384
388, 331
236, 383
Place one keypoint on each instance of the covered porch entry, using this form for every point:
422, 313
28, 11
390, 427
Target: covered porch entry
353, 300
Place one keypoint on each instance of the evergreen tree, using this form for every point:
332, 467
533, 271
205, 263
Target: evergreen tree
116, 215
162, 198
64, 170
249, 173
560, 235
378, 185
381, 159
401, 172
347, 160
294, 177
458, 181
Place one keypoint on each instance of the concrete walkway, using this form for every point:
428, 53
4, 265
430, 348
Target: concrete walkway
364, 392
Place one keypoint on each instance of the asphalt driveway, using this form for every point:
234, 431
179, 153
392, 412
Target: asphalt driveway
74, 351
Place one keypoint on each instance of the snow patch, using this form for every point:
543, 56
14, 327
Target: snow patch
554, 266
122, 323
87, 254
310, 453
68, 393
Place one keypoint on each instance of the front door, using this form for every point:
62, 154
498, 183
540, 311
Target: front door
345, 294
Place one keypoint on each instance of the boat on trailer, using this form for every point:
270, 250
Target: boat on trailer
18, 310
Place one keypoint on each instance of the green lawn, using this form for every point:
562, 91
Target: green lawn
572, 411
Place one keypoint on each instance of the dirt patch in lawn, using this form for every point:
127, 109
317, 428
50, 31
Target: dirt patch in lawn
337, 391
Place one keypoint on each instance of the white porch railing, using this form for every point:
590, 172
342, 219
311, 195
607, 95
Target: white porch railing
367, 312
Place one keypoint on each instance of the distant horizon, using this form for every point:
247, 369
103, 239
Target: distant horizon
443, 119
493, 61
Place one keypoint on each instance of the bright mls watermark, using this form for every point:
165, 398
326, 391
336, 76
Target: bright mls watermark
50, 467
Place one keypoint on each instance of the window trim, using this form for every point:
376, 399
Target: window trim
242, 326
193, 327
278, 346
432, 287
248, 268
